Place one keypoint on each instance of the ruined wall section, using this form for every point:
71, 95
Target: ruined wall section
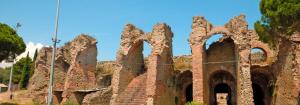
81, 74
101, 97
236, 29
159, 68
74, 68
269, 53
130, 60
200, 28
38, 84
286, 70
220, 57
239, 27
160, 81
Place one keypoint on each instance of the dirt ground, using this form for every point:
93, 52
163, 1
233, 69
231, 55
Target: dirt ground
19, 98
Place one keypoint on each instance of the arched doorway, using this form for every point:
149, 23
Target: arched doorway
222, 88
258, 94
189, 93
262, 85
185, 87
222, 93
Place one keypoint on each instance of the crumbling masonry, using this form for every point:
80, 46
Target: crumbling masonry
225, 73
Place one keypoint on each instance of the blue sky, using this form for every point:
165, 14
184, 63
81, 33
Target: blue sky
105, 19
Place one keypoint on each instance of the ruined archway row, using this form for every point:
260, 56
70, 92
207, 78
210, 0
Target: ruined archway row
158, 71
155, 82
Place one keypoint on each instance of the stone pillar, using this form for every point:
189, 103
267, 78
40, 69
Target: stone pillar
296, 70
295, 38
244, 84
200, 28
238, 27
160, 67
152, 79
197, 68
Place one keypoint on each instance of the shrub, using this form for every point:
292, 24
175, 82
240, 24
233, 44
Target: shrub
194, 103
69, 103
7, 103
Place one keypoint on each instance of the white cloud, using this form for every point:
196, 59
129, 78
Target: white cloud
4, 64
30, 47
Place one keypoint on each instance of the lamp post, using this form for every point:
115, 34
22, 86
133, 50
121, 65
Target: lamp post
10, 77
55, 41
12, 60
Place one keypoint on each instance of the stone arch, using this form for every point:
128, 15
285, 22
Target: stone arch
135, 57
128, 56
237, 30
221, 55
221, 30
130, 61
264, 47
263, 85
184, 82
222, 77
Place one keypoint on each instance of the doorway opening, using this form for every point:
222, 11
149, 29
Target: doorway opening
189, 93
222, 93
258, 94
222, 88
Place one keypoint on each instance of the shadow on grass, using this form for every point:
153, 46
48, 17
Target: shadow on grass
7, 103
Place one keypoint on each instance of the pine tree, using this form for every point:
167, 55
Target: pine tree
35, 55
33, 63
25, 73
280, 19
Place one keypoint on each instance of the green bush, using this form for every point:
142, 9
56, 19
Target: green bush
69, 103
194, 103
7, 103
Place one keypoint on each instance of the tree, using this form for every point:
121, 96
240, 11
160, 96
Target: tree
11, 43
18, 67
25, 72
35, 55
33, 61
280, 18
4, 75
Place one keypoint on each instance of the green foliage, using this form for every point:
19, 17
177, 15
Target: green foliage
33, 61
17, 71
279, 17
193, 103
11, 43
4, 75
35, 55
36, 102
25, 72
18, 68
7, 103
69, 103
264, 33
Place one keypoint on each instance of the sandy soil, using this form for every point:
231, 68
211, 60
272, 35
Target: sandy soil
19, 98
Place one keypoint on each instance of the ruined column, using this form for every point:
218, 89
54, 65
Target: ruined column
82, 55
130, 60
160, 68
239, 28
295, 38
244, 84
200, 26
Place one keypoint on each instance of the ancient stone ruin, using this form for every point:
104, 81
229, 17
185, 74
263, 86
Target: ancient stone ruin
228, 72
75, 65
